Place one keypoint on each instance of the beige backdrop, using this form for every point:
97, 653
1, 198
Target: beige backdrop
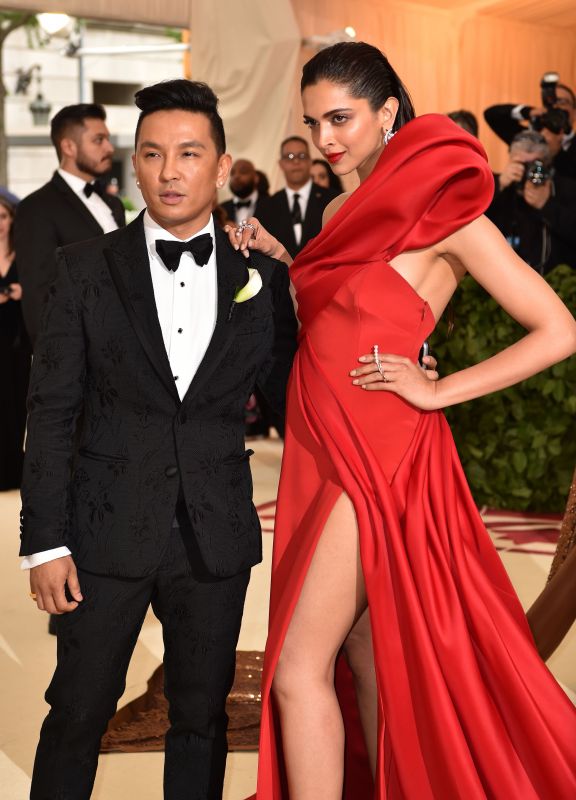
450, 53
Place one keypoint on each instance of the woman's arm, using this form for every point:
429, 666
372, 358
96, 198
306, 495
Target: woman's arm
521, 292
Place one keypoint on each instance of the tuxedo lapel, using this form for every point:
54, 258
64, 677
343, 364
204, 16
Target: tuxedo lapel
116, 209
232, 274
129, 266
75, 203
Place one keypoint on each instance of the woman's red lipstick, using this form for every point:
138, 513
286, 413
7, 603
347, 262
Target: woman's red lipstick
334, 158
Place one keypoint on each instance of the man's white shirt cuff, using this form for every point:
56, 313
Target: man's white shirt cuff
42, 558
516, 112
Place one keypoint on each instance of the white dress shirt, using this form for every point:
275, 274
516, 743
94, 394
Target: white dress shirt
187, 304
101, 212
303, 196
246, 211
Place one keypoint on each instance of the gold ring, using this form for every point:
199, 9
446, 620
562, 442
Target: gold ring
33, 595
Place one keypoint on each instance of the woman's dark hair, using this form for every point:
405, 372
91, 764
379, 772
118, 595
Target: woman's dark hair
263, 183
334, 181
11, 209
365, 72
182, 95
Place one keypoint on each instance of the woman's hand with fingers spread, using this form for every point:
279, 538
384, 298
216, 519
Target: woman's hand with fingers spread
251, 235
399, 375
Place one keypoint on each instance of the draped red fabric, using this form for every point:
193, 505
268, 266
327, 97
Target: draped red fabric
467, 708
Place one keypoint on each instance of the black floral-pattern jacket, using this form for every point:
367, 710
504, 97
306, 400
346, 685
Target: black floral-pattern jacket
110, 446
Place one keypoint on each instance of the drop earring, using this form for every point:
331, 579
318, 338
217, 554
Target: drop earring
387, 136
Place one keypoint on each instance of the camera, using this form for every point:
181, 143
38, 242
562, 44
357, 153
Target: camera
5, 290
536, 172
556, 120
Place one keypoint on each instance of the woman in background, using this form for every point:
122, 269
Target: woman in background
15, 355
323, 175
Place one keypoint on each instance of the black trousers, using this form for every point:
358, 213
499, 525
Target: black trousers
200, 618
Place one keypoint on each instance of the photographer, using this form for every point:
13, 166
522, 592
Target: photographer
554, 120
535, 208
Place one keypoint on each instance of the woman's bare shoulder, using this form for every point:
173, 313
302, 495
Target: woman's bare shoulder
334, 206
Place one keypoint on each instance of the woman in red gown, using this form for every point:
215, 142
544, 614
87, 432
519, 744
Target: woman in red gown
379, 550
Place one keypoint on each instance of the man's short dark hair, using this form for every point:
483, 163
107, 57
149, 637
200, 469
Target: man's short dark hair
294, 139
466, 120
71, 117
182, 95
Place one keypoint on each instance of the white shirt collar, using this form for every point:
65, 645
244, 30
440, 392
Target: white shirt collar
153, 231
74, 182
303, 193
567, 140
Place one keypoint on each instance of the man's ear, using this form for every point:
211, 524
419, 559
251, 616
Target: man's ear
68, 147
224, 167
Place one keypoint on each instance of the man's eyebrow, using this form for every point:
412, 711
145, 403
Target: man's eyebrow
192, 143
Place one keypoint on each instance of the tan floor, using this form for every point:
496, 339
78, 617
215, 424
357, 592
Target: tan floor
27, 658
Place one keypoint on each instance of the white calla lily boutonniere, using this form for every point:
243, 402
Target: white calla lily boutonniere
248, 291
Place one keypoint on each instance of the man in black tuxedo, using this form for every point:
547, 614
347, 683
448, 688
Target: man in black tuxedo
246, 200
71, 207
508, 120
147, 349
294, 214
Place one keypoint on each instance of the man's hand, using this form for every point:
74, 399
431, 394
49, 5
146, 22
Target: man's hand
48, 582
537, 196
512, 173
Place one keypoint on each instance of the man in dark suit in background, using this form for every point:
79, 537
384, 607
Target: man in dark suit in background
534, 208
246, 198
71, 207
137, 487
294, 214
508, 120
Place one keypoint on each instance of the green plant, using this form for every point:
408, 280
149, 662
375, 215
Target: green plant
518, 446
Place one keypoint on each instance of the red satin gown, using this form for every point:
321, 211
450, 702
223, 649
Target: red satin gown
467, 708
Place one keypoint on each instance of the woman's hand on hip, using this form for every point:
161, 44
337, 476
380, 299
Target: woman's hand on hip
399, 375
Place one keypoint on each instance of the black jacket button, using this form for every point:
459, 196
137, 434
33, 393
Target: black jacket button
171, 471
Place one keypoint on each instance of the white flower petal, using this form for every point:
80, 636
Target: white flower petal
251, 289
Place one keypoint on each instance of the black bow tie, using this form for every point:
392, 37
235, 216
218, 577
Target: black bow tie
90, 188
242, 203
170, 252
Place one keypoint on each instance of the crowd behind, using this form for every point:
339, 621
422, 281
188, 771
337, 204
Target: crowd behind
534, 206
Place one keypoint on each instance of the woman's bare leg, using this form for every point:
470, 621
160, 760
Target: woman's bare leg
332, 600
360, 658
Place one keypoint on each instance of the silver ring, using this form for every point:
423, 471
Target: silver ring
378, 363
243, 225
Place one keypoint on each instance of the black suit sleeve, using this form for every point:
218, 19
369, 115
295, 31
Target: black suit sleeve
54, 404
273, 375
35, 242
499, 118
